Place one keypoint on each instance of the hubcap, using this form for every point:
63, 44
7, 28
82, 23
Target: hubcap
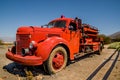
58, 60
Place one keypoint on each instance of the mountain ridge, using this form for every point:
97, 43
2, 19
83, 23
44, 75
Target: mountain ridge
115, 35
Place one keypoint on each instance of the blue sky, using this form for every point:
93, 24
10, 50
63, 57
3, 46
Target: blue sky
104, 14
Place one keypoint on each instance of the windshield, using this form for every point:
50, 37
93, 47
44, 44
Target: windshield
60, 24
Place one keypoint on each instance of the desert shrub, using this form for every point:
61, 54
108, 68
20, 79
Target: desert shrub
114, 45
1, 42
117, 39
107, 40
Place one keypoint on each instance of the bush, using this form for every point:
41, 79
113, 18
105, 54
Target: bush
106, 39
1, 42
114, 45
116, 40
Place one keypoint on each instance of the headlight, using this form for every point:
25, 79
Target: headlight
32, 45
25, 51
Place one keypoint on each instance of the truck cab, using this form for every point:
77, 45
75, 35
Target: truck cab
52, 45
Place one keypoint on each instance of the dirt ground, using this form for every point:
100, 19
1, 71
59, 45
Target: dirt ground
78, 70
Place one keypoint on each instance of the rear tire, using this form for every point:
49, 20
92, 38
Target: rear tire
100, 49
57, 60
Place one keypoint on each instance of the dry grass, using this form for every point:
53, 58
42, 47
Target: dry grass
114, 45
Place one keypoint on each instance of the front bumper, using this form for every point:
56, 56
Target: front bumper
26, 60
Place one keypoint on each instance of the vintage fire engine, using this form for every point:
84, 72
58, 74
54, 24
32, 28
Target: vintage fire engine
53, 45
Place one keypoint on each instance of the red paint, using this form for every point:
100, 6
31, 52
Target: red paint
58, 60
29, 60
76, 40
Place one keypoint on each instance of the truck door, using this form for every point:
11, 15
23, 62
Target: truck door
74, 35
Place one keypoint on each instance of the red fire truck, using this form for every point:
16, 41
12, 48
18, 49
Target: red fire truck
53, 45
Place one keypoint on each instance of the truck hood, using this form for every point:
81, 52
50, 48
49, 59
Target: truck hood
24, 30
39, 34
28, 29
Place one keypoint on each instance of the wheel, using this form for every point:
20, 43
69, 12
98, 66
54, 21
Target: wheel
100, 49
57, 60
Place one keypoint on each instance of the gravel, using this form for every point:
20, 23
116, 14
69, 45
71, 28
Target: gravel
80, 69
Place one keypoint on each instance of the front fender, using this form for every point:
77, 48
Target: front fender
44, 48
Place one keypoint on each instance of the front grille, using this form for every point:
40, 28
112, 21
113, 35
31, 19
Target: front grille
23, 41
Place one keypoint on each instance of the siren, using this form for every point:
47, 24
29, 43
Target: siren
62, 16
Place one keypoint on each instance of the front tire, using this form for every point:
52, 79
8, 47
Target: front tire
57, 60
